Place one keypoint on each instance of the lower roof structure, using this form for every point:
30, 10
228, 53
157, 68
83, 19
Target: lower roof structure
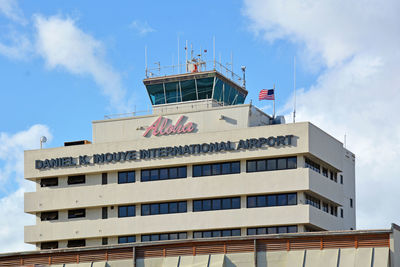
332, 248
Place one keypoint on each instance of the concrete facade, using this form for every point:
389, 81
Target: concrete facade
211, 123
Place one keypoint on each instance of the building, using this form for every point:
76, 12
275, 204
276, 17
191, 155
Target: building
202, 165
372, 248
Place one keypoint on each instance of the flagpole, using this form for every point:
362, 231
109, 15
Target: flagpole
274, 102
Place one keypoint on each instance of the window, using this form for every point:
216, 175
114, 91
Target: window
126, 211
325, 173
126, 177
271, 164
315, 202
216, 169
162, 237
164, 208
104, 241
104, 213
163, 174
272, 200
76, 179
49, 182
341, 179
334, 211
325, 207
78, 213
351, 202
49, 216
312, 165
341, 213
49, 245
126, 239
104, 178
76, 243
216, 204
217, 233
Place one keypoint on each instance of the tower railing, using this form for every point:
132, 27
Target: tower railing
201, 66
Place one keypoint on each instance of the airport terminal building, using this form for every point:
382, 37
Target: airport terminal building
203, 165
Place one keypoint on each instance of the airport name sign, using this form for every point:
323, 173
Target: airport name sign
168, 151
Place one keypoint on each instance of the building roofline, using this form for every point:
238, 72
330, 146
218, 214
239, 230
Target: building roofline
288, 236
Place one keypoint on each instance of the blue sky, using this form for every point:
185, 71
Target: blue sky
64, 64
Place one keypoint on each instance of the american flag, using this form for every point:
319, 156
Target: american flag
266, 94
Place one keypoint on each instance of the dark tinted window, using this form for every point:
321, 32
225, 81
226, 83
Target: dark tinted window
164, 236
78, 213
292, 163
76, 243
271, 164
217, 233
282, 164
76, 179
164, 174
126, 239
49, 245
251, 202
49, 182
126, 177
216, 204
164, 208
216, 169
49, 216
104, 178
127, 211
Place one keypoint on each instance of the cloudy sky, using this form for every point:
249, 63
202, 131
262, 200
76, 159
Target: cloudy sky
64, 64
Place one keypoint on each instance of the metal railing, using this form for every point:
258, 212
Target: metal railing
211, 65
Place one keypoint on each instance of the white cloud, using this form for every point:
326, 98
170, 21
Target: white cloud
10, 9
357, 93
12, 170
20, 47
62, 44
142, 28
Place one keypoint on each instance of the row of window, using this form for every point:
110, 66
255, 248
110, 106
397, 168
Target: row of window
181, 235
198, 205
181, 172
216, 204
163, 174
272, 230
272, 200
260, 165
75, 179
315, 202
216, 233
162, 237
164, 208
325, 171
216, 169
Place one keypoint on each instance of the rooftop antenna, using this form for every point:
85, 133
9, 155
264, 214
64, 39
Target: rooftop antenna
159, 67
214, 52
43, 139
145, 60
186, 50
345, 140
232, 64
179, 63
294, 88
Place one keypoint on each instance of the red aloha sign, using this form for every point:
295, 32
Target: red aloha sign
161, 127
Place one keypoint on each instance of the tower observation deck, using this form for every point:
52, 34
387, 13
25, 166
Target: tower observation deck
198, 82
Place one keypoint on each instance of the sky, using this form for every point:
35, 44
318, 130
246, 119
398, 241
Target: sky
64, 64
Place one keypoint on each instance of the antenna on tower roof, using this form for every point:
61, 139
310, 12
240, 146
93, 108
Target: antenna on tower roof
294, 88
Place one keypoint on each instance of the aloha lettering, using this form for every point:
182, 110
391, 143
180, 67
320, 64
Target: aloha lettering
161, 127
